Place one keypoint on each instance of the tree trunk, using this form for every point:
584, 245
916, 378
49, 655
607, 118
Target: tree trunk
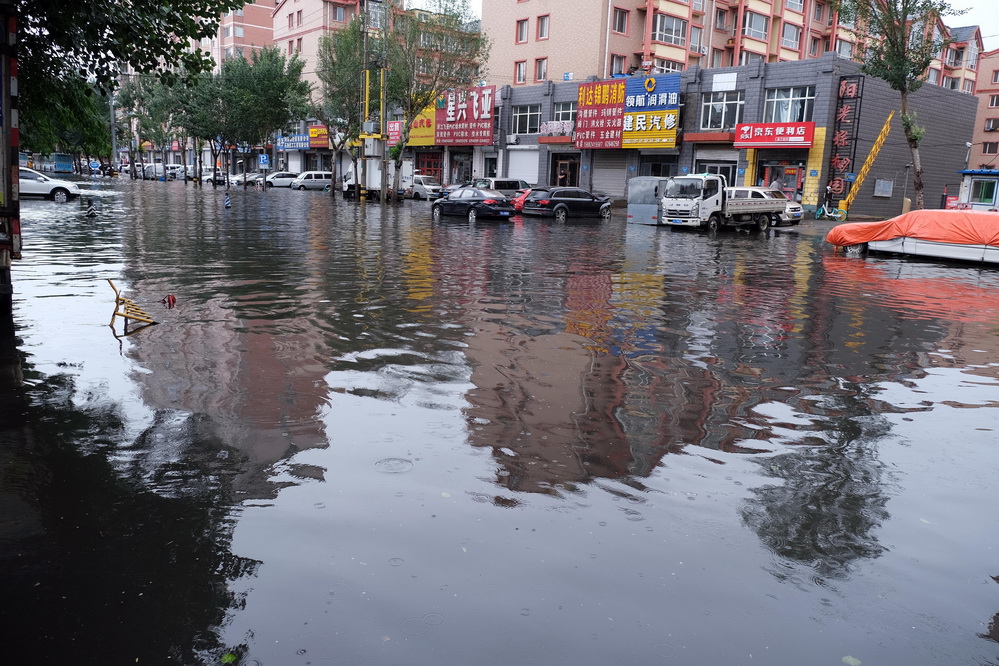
912, 138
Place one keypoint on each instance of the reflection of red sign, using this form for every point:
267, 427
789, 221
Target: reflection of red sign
600, 114
465, 117
319, 136
774, 135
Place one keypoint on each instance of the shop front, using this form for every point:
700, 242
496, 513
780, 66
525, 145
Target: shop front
780, 155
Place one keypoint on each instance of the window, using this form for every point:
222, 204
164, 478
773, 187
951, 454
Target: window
565, 111
291, 20
541, 69
754, 25
339, 14
617, 64
227, 32
789, 105
992, 124
813, 48
291, 47
669, 30
521, 31
969, 87
238, 30
817, 15
983, 191
934, 76
951, 82
990, 148
750, 58
543, 27
620, 20
722, 111
955, 57
972, 62
695, 38
844, 48
721, 19
663, 66
520, 71
526, 119
995, 76
298, 45
794, 5
298, 17
790, 36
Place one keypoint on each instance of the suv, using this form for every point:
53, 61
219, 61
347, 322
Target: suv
508, 186
565, 202
33, 183
312, 180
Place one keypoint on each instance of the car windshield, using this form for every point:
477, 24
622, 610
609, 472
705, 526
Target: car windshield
683, 188
492, 194
776, 194
537, 194
430, 180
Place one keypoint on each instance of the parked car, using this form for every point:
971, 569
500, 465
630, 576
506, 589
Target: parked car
565, 202
241, 178
424, 187
312, 180
35, 184
281, 179
216, 176
473, 203
508, 186
793, 212
521, 196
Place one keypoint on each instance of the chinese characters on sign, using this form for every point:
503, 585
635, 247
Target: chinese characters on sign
394, 130
651, 112
600, 114
319, 137
774, 135
844, 137
465, 117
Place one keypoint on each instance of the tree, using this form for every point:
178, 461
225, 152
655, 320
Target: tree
905, 39
67, 50
428, 53
261, 95
339, 99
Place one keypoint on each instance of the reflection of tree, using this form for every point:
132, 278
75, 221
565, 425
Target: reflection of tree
95, 565
830, 503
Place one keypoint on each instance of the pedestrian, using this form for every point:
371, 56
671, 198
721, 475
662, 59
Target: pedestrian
776, 184
562, 175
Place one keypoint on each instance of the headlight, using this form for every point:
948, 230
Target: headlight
695, 210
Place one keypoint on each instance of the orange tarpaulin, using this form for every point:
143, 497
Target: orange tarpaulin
966, 227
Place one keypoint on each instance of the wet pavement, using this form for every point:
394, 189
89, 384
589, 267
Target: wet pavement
362, 437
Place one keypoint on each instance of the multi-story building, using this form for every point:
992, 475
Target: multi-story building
241, 31
980, 188
542, 40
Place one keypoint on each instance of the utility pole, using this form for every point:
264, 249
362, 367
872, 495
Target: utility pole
362, 195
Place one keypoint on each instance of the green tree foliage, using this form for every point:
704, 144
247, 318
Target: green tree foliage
428, 53
904, 40
339, 99
70, 50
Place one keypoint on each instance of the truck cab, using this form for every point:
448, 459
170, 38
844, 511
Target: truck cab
705, 200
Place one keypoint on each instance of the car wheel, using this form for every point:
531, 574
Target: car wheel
561, 214
301, 188
436, 213
775, 220
605, 213
60, 195
471, 215
269, 184
416, 196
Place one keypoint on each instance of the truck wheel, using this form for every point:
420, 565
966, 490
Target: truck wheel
762, 222
561, 214
714, 222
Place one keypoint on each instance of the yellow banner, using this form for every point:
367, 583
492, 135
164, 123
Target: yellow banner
421, 132
650, 129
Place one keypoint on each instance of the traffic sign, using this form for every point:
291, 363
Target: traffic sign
94, 164
264, 159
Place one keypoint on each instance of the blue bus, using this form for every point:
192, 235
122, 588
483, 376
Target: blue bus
62, 162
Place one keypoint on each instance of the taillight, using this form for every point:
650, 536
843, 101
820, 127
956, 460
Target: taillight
544, 202
490, 201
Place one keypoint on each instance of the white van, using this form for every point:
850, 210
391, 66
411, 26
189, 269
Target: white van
424, 187
312, 180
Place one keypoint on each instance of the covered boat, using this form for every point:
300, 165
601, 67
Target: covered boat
966, 235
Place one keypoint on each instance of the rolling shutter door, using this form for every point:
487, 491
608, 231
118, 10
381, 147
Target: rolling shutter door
610, 172
522, 164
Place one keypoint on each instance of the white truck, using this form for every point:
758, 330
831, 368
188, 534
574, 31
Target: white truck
372, 175
704, 200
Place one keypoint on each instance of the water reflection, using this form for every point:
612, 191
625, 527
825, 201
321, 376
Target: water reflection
426, 431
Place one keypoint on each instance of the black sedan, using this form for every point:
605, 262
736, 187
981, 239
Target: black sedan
473, 202
565, 202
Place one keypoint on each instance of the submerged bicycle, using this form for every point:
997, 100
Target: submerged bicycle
827, 212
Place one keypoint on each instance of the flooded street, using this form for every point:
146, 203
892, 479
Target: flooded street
362, 437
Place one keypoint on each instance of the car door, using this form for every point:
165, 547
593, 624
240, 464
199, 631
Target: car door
452, 205
31, 182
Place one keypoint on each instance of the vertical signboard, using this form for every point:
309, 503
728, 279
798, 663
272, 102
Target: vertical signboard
421, 132
465, 117
600, 114
651, 111
319, 137
844, 137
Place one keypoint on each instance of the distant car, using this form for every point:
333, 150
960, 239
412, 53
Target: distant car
562, 203
508, 186
424, 187
312, 180
520, 197
214, 176
242, 178
281, 179
473, 203
34, 184
793, 212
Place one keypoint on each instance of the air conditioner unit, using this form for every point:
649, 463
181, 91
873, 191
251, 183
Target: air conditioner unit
512, 139
703, 50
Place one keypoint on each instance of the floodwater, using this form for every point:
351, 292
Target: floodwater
361, 437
